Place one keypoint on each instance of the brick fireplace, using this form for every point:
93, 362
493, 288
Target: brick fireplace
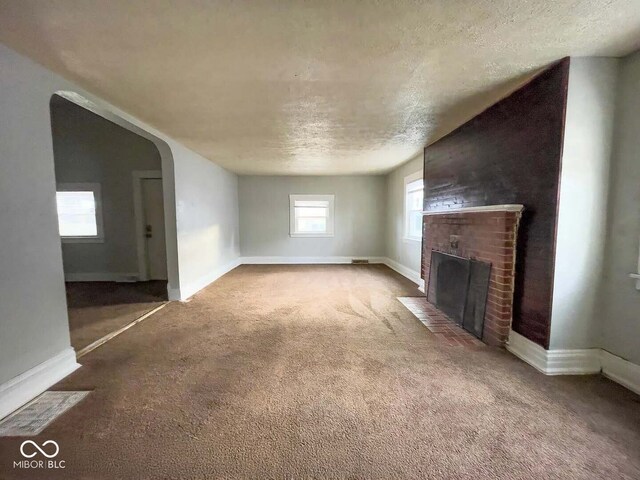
486, 234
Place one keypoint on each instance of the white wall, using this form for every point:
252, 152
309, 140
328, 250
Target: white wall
619, 316
201, 213
582, 212
33, 311
90, 149
360, 204
208, 221
405, 252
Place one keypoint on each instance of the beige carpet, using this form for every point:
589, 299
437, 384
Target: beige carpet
320, 372
99, 308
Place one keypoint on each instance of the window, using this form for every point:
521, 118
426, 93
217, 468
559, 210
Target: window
311, 215
79, 212
413, 196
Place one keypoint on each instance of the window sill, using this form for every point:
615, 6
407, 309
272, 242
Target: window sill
311, 235
82, 240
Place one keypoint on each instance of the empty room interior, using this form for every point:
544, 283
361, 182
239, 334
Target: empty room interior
318, 239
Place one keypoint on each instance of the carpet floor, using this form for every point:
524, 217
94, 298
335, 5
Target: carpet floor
98, 308
320, 372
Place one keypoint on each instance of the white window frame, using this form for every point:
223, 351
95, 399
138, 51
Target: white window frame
407, 180
97, 195
330, 217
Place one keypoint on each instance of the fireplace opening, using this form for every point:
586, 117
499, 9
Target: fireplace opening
477, 292
458, 287
448, 284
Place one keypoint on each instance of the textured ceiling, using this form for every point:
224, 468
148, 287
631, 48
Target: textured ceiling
310, 87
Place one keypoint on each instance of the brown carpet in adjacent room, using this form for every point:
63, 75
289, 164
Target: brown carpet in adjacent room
98, 308
320, 372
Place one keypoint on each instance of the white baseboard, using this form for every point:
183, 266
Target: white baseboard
621, 371
526, 350
28, 385
573, 362
187, 291
554, 362
306, 260
576, 362
173, 294
101, 277
405, 271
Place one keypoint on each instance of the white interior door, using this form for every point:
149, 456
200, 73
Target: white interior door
153, 209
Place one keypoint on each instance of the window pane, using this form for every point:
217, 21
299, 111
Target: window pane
415, 185
311, 215
311, 225
415, 224
414, 195
311, 211
414, 200
77, 214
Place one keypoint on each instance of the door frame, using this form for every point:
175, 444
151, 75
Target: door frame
138, 213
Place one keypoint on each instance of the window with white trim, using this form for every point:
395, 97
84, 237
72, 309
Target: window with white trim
311, 215
413, 197
79, 207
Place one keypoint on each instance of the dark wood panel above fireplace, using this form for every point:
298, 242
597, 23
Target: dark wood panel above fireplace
511, 153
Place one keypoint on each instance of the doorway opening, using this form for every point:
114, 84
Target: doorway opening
110, 206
